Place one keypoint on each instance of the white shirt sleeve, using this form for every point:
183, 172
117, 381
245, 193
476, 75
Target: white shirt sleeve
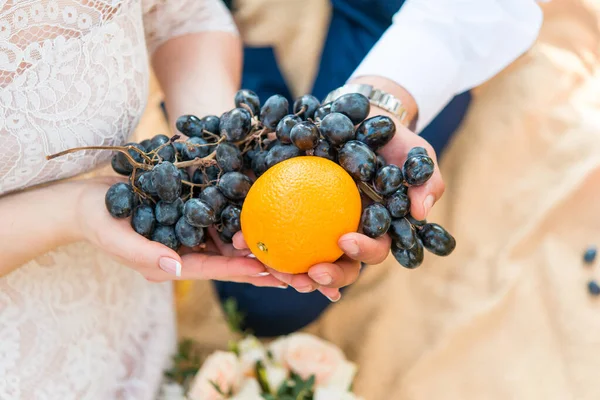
437, 49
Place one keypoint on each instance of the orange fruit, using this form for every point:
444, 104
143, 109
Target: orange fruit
295, 213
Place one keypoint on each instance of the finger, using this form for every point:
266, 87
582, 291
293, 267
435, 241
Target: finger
422, 198
204, 266
301, 282
226, 249
335, 275
134, 250
363, 248
239, 242
260, 281
332, 294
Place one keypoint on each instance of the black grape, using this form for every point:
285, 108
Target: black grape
235, 124
409, 258
388, 179
143, 221
231, 218
398, 204
199, 214
249, 98
214, 198
376, 132
229, 157
337, 129
188, 235
417, 151
167, 153
310, 103
259, 163
211, 124
281, 152
375, 220
167, 181
234, 185
166, 235
358, 160
190, 125
168, 213
354, 105
402, 233
195, 147
417, 170
120, 163
436, 239
305, 135
284, 127
275, 108
322, 111
119, 200
325, 150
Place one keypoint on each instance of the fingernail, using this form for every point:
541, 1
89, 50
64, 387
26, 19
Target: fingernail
335, 299
304, 289
251, 255
428, 203
282, 286
323, 278
350, 247
265, 273
170, 266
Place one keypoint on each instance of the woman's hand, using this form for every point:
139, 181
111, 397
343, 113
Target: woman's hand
153, 260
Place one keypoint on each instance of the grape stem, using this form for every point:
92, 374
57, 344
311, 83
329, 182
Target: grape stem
369, 192
121, 149
206, 161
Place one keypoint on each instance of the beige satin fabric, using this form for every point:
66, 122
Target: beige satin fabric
507, 316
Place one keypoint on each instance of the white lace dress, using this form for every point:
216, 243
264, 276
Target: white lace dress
73, 323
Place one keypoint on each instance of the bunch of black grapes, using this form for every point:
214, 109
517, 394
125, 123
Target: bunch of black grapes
170, 204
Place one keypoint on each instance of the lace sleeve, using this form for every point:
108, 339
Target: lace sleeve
165, 19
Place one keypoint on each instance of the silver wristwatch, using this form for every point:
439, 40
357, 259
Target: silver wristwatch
377, 97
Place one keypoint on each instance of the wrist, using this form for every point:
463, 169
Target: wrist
66, 197
394, 89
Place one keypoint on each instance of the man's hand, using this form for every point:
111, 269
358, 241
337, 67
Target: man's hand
358, 248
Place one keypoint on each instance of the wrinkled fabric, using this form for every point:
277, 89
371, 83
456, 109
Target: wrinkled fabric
507, 316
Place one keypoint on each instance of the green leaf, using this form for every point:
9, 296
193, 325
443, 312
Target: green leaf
234, 348
217, 388
261, 376
235, 318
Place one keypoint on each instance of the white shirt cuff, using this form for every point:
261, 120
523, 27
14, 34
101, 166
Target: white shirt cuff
411, 55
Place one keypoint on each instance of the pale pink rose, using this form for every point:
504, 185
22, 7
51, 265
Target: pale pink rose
308, 355
222, 368
250, 351
250, 390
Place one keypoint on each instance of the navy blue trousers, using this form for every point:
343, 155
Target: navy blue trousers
355, 27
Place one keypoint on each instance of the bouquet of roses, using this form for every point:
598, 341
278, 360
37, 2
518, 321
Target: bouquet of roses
294, 367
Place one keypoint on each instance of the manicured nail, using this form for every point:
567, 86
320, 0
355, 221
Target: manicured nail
305, 289
170, 266
323, 278
264, 273
335, 299
428, 203
350, 247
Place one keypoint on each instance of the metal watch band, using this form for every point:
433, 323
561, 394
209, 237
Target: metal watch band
376, 97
